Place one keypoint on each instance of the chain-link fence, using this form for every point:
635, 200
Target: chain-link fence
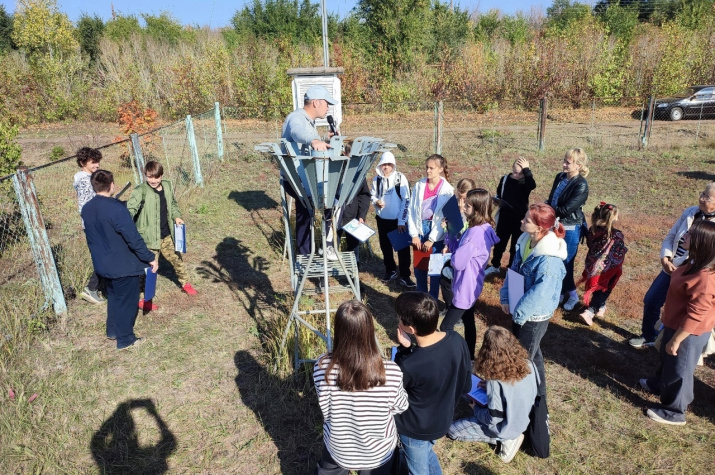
21, 292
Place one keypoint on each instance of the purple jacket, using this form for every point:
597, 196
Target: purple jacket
469, 258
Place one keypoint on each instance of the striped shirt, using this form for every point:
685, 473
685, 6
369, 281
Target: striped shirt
359, 427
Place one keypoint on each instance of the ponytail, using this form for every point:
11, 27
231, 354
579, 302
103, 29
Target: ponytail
442, 163
558, 229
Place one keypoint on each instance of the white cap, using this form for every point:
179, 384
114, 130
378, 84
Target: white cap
387, 157
319, 92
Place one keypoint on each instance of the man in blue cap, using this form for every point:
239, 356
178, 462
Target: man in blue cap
299, 127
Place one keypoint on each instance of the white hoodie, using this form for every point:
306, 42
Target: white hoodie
395, 207
414, 216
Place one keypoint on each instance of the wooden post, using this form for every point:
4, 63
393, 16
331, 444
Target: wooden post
138, 156
542, 122
219, 131
39, 241
194, 151
439, 112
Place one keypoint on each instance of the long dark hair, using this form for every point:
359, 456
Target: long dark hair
701, 253
355, 352
481, 202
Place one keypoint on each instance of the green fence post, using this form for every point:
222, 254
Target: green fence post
194, 151
39, 241
219, 132
138, 156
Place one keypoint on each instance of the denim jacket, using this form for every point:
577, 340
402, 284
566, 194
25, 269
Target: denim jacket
543, 272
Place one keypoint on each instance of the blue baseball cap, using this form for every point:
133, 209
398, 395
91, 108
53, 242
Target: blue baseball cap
319, 92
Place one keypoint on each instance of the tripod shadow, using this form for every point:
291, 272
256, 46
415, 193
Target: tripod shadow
286, 408
256, 201
116, 446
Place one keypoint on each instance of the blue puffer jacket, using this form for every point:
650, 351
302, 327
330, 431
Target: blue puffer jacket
543, 272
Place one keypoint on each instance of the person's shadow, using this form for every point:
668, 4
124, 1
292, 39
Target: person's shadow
116, 448
287, 409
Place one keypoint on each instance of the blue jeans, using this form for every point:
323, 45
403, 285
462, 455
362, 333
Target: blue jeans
420, 458
572, 237
421, 275
652, 304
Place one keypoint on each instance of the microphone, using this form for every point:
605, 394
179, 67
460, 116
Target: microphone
331, 123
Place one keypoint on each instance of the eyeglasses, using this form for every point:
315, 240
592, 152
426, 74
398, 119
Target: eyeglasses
706, 198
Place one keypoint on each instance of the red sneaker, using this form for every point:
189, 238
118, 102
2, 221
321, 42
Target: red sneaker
147, 306
188, 289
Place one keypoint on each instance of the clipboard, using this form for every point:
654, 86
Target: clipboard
450, 212
180, 238
149, 284
420, 260
399, 240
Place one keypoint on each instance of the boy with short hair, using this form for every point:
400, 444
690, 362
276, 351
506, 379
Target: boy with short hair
155, 210
436, 373
118, 254
88, 161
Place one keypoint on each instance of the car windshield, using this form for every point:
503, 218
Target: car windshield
687, 92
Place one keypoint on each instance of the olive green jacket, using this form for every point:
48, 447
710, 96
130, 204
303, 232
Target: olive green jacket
148, 221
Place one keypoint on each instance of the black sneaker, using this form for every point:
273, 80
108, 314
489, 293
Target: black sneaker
407, 282
390, 276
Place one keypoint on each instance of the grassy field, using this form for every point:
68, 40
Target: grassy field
211, 392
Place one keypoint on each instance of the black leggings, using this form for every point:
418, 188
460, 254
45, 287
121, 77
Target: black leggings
470, 326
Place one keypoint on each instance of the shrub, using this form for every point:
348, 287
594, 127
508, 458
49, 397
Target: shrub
57, 152
10, 150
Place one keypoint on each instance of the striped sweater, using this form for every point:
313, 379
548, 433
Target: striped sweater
359, 427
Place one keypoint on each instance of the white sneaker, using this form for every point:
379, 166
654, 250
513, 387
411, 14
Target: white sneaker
330, 253
509, 448
587, 316
571, 302
491, 270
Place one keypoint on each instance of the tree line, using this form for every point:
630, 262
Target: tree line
392, 50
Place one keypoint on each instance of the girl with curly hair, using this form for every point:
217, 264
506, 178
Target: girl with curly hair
510, 381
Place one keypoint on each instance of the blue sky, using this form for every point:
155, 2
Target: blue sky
217, 13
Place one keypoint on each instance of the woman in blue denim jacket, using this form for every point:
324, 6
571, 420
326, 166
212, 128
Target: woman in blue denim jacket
540, 252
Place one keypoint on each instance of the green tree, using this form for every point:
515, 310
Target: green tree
620, 20
563, 12
487, 25
122, 27
165, 28
400, 29
280, 19
89, 32
449, 29
6, 43
10, 150
39, 26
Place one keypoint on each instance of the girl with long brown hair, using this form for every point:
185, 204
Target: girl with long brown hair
688, 320
470, 253
359, 393
509, 379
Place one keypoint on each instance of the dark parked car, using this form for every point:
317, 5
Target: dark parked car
693, 101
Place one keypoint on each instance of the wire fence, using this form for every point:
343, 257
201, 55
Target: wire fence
21, 292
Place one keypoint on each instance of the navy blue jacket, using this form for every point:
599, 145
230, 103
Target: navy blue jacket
116, 247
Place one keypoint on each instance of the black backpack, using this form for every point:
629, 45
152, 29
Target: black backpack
398, 184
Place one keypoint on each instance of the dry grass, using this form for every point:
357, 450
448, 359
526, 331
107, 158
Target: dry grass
209, 392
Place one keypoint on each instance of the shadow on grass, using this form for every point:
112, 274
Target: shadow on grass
243, 271
254, 202
286, 408
613, 365
116, 448
698, 175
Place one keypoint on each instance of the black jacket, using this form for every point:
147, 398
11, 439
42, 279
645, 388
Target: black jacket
116, 247
568, 208
516, 195
358, 207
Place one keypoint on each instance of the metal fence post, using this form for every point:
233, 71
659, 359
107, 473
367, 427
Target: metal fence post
648, 122
138, 156
219, 132
438, 109
194, 151
39, 241
542, 123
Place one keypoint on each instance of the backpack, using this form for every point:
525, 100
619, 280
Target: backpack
537, 434
398, 184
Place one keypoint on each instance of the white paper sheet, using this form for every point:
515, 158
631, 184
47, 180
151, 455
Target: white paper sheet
436, 263
360, 231
516, 288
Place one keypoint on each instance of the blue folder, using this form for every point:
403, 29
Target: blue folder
150, 284
399, 240
451, 213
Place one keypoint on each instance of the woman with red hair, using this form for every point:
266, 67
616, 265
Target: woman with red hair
540, 254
